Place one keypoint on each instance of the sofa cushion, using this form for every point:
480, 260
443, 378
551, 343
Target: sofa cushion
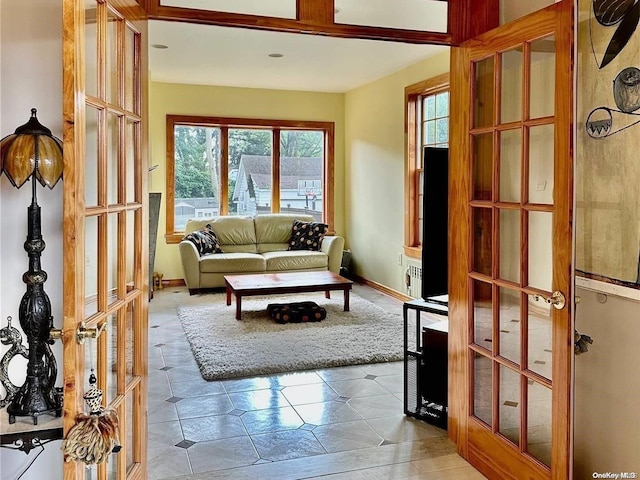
306, 235
204, 240
279, 261
275, 229
232, 263
234, 230
236, 234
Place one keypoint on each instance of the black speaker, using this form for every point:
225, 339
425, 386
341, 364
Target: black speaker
435, 218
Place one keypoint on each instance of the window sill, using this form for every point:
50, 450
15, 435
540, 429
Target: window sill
413, 252
172, 238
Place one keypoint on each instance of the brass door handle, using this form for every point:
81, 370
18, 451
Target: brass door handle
84, 332
557, 299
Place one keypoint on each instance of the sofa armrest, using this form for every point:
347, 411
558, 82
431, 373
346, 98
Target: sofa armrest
190, 264
333, 247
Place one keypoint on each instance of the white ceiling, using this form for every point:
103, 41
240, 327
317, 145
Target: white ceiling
211, 55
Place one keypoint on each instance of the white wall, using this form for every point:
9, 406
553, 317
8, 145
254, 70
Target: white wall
30, 76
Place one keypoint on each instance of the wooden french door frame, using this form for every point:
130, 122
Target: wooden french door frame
477, 443
105, 221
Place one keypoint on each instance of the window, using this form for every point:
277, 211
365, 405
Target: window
427, 124
232, 166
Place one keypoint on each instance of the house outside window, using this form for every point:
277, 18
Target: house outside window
220, 166
427, 124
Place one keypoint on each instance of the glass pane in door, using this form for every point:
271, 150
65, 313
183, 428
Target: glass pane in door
482, 146
91, 48
130, 259
111, 354
482, 240
113, 157
510, 324
541, 146
91, 269
112, 67
539, 336
130, 38
112, 462
112, 258
510, 165
511, 86
539, 421
509, 404
482, 315
510, 245
483, 105
130, 422
540, 249
482, 388
542, 78
130, 149
129, 339
92, 154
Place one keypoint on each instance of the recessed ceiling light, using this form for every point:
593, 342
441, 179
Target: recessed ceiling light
276, 55
159, 46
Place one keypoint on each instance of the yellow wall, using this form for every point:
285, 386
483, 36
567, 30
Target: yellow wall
374, 175
177, 99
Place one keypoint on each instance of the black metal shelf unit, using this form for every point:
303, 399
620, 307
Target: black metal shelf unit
425, 362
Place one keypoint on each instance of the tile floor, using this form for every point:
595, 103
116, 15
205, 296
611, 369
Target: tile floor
342, 423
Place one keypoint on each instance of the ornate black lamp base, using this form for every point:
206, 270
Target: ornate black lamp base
32, 400
34, 416
38, 394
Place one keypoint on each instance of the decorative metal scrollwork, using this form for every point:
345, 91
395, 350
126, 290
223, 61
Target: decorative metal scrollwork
10, 335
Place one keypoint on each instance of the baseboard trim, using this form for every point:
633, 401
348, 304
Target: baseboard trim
175, 282
381, 288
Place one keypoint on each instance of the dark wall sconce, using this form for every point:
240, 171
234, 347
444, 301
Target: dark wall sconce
33, 153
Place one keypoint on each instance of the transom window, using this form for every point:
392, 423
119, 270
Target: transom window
231, 166
427, 108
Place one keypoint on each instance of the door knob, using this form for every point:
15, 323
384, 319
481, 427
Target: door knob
557, 299
85, 332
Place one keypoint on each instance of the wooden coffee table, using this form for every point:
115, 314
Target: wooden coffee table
289, 282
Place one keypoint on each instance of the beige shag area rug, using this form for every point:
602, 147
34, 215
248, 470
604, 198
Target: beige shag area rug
227, 348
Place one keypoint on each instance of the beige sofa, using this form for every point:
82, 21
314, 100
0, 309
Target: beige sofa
253, 245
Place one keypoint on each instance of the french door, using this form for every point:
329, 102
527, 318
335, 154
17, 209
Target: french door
105, 223
510, 294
